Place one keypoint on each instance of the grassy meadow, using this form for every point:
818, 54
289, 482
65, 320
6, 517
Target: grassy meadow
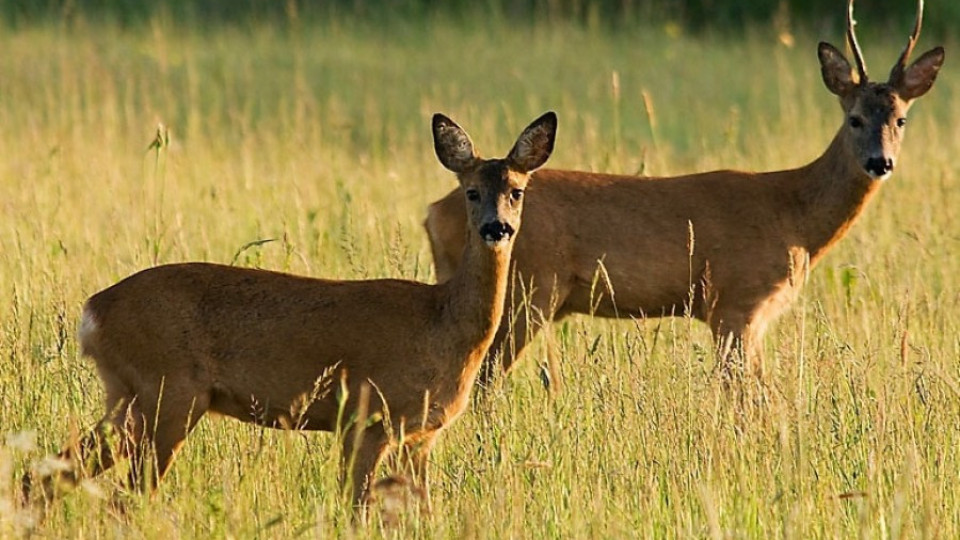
306, 148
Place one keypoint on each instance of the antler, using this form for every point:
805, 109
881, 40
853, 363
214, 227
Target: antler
901, 64
852, 40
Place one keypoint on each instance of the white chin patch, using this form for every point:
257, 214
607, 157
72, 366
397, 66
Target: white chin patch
881, 177
494, 243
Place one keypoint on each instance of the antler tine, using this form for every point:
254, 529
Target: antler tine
852, 40
901, 64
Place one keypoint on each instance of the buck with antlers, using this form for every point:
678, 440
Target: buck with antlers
174, 342
729, 248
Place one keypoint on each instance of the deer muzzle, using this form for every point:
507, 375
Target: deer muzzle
879, 166
495, 232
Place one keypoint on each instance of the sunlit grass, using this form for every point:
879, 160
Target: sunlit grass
310, 152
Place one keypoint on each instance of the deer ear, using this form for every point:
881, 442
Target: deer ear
836, 71
452, 144
917, 79
535, 144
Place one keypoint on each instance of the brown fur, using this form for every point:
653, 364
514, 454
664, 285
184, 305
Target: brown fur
174, 342
730, 248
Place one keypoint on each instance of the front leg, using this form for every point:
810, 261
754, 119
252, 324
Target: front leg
739, 346
359, 461
528, 309
395, 496
418, 458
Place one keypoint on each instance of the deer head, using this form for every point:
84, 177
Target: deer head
494, 187
876, 113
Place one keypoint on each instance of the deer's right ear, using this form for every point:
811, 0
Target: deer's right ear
917, 79
452, 144
836, 71
535, 144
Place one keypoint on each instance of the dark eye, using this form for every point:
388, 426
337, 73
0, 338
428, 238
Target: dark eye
473, 195
856, 122
516, 194
901, 122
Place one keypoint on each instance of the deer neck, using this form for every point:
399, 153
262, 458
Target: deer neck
476, 292
834, 190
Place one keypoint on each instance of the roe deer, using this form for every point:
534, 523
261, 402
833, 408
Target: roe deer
754, 235
174, 342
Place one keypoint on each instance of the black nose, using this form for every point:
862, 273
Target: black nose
496, 231
879, 166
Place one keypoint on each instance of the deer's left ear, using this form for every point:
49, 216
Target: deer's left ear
917, 79
535, 144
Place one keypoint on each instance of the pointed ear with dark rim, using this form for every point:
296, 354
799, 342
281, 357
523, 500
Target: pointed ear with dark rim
452, 144
917, 79
836, 71
535, 144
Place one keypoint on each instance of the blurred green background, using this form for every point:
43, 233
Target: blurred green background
709, 15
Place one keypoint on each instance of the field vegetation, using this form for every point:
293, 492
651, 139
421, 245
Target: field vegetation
304, 146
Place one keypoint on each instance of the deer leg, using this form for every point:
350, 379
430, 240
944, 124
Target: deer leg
521, 321
88, 457
728, 330
166, 423
419, 461
752, 344
511, 338
739, 346
359, 461
92, 454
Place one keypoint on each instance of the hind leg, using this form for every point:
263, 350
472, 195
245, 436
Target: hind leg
359, 460
96, 451
512, 337
167, 420
528, 309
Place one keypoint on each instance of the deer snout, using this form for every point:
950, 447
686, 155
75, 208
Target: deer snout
879, 166
496, 232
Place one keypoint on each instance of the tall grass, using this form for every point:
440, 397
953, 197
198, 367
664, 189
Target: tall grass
308, 150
